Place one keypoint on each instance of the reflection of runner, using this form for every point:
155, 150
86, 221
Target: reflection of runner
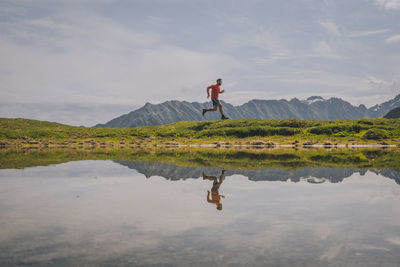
215, 196
215, 91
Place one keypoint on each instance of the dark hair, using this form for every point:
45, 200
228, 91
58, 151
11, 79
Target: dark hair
219, 79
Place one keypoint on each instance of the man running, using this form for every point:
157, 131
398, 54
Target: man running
215, 91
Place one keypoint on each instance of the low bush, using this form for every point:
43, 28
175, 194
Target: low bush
251, 131
375, 134
334, 129
295, 123
366, 122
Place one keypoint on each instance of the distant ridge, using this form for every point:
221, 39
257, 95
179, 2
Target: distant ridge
313, 108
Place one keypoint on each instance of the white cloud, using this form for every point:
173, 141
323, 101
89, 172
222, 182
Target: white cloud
85, 59
244, 32
379, 90
71, 114
382, 85
388, 4
393, 39
272, 57
97, 61
323, 48
331, 27
368, 33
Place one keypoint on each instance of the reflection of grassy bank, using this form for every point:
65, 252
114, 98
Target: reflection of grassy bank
222, 158
22, 132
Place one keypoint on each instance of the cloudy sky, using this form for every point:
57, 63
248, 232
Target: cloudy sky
83, 62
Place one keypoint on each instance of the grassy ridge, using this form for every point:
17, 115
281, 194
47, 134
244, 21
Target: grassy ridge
280, 131
244, 159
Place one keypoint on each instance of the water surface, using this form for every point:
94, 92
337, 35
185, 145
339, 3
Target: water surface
138, 213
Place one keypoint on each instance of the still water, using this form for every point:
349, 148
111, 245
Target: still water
133, 213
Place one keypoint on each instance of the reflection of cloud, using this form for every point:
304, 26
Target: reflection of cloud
331, 252
370, 247
123, 218
395, 240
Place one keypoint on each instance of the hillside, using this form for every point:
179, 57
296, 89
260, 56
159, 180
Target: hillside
393, 114
313, 108
240, 132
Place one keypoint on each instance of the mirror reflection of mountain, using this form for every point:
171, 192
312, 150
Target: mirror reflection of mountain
312, 175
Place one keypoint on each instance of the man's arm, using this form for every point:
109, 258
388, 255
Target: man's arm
208, 91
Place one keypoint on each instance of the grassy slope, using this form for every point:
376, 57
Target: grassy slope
223, 158
278, 131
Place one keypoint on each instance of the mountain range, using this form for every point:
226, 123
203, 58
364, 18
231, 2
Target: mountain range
313, 108
311, 175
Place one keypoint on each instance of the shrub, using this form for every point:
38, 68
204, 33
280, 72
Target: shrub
102, 135
243, 132
321, 130
338, 158
375, 134
263, 156
200, 126
367, 122
374, 154
334, 129
294, 123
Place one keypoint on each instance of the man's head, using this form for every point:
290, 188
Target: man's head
219, 206
219, 81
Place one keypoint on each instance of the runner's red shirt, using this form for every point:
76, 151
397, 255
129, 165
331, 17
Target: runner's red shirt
215, 90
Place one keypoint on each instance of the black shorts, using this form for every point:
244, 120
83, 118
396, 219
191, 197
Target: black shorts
215, 101
215, 187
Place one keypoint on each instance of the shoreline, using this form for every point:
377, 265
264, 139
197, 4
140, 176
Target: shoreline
244, 157
91, 144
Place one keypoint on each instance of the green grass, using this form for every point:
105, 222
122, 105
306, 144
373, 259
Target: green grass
245, 159
279, 131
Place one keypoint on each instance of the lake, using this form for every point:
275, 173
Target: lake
177, 209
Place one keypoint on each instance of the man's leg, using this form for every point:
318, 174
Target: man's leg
223, 117
211, 178
210, 109
221, 110
222, 176
214, 108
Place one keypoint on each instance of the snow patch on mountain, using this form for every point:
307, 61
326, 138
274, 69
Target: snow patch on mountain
313, 99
